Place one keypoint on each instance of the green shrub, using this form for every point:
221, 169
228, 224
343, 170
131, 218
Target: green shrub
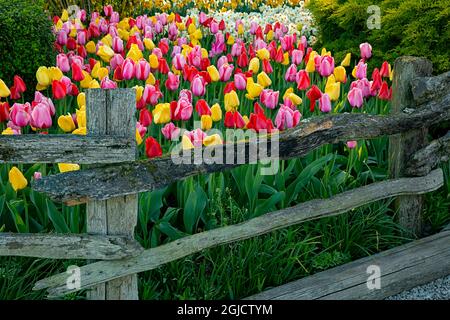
26, 41
408, 27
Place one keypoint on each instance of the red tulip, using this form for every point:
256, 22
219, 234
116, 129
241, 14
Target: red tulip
77, 72
258, 122
303, 81
4, 111
19, 84
313, 94
202, 108
163, 67
145, 117
152, 148
242, 60
58, 90
385, 93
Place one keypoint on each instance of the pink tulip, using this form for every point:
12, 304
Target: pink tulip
366, 50
225, 72
151, 94
364, 85
179, 61
116, 60
287, 42
355, 97
173, 31
40, 117
186, 94
269, 98
236, 49
240, 81
324, 65
141, 129
141, 69
117, 45
198, 86
361, 70
183, 111
297, 56
222, 60
325, 103
40, 98
128, 70
351, 144
291, 73
81, 38
170, 131
172, 82
106, 83
287, 118
214, 27
115, 17
37, 175
20, 114
62, 62
108, 10
196, 136
61, 38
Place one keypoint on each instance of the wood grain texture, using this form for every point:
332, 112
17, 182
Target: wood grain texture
428, 158
99, 272
68, 246
64, 148
402, 146
145, 175
402, 268
426, 89
111, 112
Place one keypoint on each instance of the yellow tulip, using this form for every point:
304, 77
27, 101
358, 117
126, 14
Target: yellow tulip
216, 112
66, 123
263, 79
310, 66
325, 52
206, 122
139, 92
95, 69
346, 61
102, 72
80, 131
161, 113
153, 60
186, 143
90, 47
295, 99
246, 120
212, 140
263, 54
59, 24
65, 15
81, 99
106, 53
148, 43
285, 59
67, 167
333, 90
134, 53
354, 72
230, 40
253, 89
94, 84
43, 77
8, 132
213, 73
340, 74
17, 179
151, 79
204, 53
241, 29
269, 35
391, 73
107, 40
86, 81
123, 34
191, 28
138, 137
231, 101
254, 65
81, 118
55, 73
288, 92
4, 90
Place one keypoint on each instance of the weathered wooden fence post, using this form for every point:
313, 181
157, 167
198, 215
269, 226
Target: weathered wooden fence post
402, 146
111, 112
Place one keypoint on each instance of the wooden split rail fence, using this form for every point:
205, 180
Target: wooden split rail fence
110, 185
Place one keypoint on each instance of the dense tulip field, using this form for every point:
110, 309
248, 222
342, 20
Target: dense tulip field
195, 76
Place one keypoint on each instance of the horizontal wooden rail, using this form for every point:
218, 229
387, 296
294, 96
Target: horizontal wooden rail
129, 178
68, 246
425, 89
424, 160
100, 272
401, 268
55, 148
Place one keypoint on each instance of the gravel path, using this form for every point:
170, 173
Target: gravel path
436, 290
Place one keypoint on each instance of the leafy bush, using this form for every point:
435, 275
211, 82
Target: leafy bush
26, 40
408, 27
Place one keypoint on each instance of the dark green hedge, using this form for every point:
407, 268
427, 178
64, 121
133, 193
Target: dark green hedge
26, 41
408, 27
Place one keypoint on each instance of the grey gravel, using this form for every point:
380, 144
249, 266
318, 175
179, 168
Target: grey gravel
436, 290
